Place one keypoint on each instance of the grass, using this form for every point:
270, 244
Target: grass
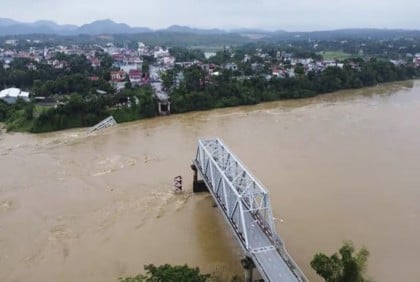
19, 123
335, 55
39, 109
208, 48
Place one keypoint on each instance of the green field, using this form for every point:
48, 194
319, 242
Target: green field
334, 55
208, 48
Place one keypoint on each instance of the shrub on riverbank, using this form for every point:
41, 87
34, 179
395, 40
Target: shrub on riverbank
168, 273
172, 273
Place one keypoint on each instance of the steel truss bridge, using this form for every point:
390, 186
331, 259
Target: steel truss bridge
246, 207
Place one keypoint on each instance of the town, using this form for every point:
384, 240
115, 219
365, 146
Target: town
153, 80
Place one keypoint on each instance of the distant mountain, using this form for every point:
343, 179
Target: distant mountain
18, 29
187, 29
109, 27
7, 22
250, 30
12, 27
53, 26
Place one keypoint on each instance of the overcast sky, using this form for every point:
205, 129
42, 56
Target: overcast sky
291, 15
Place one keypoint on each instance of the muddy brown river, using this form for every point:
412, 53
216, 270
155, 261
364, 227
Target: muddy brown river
95, 207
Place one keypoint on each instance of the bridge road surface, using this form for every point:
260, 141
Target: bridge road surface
269, 261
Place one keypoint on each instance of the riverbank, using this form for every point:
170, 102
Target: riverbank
78, 113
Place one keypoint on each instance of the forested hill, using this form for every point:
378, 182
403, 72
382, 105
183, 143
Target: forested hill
184, 35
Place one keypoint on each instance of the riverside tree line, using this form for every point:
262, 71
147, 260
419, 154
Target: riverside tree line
229, 88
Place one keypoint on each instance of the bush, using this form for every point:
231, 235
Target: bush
168, 273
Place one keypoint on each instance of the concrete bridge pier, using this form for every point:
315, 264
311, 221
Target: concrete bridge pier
248, 265
198, 185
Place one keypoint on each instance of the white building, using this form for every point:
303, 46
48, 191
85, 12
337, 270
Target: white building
169, 60
160, 53
231, 66
12, 42
10, 95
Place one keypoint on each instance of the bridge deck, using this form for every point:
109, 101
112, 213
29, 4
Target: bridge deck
246, 207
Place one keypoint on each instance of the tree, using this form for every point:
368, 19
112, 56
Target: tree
168, 78
168, 273
183, 54
5, 110
342, 267
147, 105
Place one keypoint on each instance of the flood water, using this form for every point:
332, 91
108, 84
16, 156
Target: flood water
95, 207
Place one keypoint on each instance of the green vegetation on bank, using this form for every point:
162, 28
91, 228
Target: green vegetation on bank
343, 267
78, 111
168, 273
178, 273
198, 92
228, 89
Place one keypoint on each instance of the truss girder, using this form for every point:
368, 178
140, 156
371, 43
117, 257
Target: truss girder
237, 191
246, 205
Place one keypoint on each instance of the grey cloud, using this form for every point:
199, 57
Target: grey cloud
280, 14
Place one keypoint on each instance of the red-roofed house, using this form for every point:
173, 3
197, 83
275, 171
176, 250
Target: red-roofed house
135, 77
95, 63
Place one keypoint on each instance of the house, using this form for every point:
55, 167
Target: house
416, 61
398, 62
101, 92
135, 77
127, 67
291, 73
12, 42
231, 67
93, 78
58, 65
10, 95
169, 60
118, 79
276, 71
31, 66
95, 62
118, 76
160, 53
257, 67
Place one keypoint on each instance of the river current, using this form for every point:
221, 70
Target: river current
94, 207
